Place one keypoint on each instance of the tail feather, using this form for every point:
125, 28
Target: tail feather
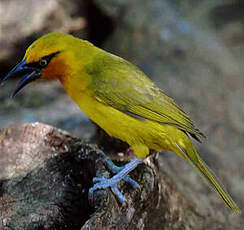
208, 176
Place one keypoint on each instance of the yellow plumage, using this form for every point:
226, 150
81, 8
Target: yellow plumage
122, 100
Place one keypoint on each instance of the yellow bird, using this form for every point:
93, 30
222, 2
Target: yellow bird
119, 98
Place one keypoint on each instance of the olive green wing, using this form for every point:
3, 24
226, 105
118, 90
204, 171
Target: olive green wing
123, 86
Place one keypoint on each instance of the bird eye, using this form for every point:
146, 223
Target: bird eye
43, 62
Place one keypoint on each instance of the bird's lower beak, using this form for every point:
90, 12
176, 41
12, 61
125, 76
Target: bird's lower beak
22, 69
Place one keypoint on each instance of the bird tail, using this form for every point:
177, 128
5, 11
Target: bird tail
189, 153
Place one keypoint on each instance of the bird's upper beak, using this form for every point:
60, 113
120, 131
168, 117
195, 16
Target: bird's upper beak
22, 69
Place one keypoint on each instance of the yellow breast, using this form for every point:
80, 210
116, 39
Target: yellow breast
140, 135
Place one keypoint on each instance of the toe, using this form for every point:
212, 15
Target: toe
98, 179
118, 194
132, 182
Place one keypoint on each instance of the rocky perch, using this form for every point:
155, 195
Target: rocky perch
45, 175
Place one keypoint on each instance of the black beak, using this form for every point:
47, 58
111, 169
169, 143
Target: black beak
22, 69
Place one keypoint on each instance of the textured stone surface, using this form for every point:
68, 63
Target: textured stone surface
44, 180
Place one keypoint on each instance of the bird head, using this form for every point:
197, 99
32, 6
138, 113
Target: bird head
44, 59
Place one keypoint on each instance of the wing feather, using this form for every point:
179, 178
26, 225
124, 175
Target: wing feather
123, 86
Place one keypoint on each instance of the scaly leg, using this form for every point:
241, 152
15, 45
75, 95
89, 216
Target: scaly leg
116, 169
121, 174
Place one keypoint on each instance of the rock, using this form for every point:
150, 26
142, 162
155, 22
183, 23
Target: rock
45, 176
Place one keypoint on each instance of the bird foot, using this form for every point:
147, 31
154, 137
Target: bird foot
116, 170
103, 183
121, 173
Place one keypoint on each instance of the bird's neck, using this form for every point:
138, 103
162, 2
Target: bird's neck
75, 77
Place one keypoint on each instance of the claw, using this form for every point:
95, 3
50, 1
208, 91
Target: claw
132, 182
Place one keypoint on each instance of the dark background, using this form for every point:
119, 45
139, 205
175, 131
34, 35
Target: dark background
192, 49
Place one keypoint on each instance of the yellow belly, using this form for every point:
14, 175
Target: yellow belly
140, 135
